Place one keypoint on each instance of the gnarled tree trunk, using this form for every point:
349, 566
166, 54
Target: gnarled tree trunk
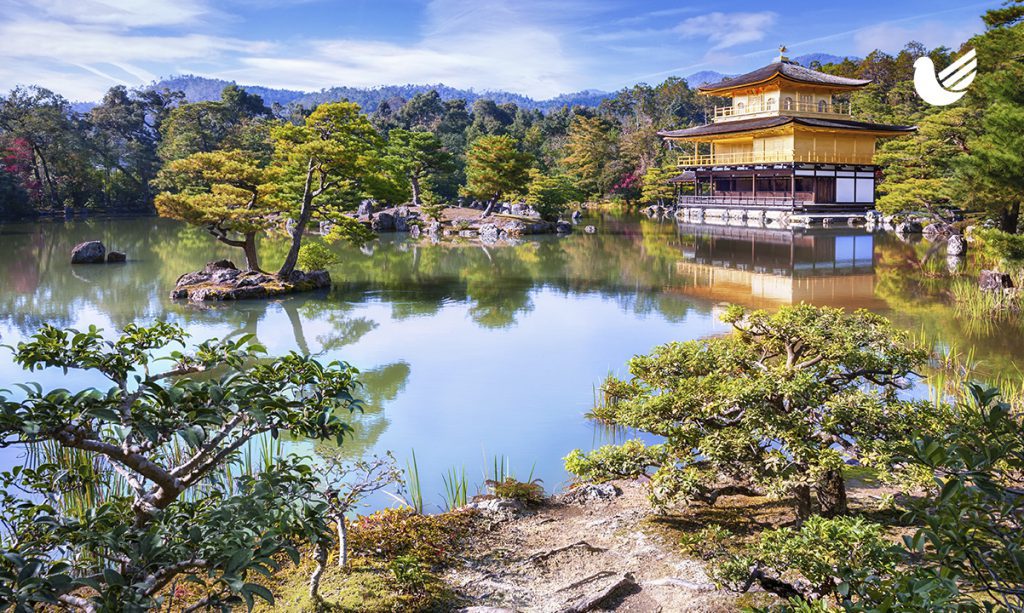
339, 520
305, 214
1009, 218
252, 260
802, 494
831, 491
321, 563
414, 181
490, 205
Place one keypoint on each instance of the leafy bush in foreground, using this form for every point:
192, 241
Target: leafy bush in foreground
168, 500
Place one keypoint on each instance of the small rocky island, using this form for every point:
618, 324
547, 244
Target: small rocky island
222, 280
509, 221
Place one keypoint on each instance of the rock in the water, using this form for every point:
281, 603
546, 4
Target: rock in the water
116, 257
590, 492
401, 224
956, 245
91, 252
515, 228
937, 230
954, 263
434, 227
489, 233
590, 229
383, 222
563, 227
908, 227
577, 215
994, 281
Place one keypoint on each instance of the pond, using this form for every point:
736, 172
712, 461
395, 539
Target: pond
470, 353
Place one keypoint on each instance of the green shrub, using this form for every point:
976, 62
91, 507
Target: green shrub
629, 460
316, 255
432, 206
1001, 247
711, 542
392, 533
529, 492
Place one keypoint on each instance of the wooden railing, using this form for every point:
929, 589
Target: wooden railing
772, 107
768, 157
778, 202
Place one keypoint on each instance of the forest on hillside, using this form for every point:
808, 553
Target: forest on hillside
56, 160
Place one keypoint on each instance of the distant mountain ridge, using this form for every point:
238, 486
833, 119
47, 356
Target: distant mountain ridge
198, 89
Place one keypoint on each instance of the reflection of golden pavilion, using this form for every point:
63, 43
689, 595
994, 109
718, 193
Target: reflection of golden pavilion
763, 267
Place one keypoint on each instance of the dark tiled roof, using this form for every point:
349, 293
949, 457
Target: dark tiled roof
746, 125
685, 177
793, 72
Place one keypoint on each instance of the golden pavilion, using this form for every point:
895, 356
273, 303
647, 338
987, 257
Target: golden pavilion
785, 144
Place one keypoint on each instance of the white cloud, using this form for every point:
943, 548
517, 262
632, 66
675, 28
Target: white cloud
726, 30
123, 13
482, 45
890, 37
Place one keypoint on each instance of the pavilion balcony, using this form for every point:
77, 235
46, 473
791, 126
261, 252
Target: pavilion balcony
773, 157
771, 107
746, 200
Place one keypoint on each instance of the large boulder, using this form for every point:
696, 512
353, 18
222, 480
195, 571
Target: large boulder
590, 492
956, 245
89, 252
116, 257
563, 227
365, 209
908, 227
515, 228
994, 281
383, 222
401, 223
937, 230
489, 233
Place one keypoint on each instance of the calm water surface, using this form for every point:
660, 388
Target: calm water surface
468, 352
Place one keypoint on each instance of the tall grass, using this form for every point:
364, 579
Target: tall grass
456, 488
412, 483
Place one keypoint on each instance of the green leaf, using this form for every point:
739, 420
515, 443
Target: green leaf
260, 591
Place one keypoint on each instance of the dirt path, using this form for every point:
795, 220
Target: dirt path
590, 555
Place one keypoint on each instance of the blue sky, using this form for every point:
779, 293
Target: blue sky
541, 48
